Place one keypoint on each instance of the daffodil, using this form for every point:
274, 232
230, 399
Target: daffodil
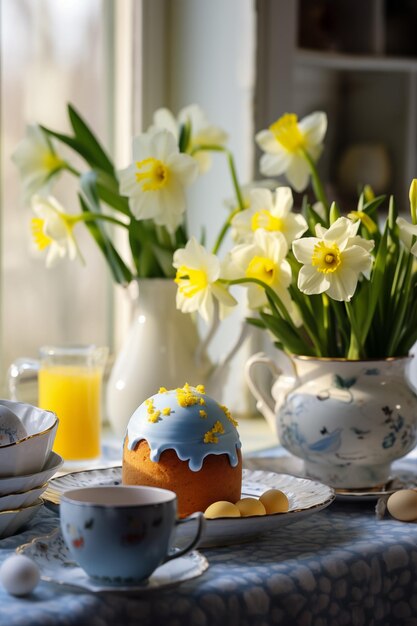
408, 234
37, 161
202, 132
334, 260
155, 182
52, 229
288, 143
265, 183
198, 273
262, 259
271, 212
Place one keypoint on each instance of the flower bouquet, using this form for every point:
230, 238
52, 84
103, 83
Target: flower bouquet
321, 283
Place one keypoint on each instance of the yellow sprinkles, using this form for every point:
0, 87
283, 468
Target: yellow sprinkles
163, 390
228, 415
166, 411
210, 436
203, 413
153, 416
185, 396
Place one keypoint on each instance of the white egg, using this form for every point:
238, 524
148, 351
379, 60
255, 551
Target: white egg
402, 505
19, 575
11, 428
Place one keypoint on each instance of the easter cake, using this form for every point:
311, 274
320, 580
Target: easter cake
183, 440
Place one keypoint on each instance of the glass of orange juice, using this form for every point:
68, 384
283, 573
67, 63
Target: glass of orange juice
69, 384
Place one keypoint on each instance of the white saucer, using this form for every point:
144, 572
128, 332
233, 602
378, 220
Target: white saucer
305, 498
401, 478
54, 561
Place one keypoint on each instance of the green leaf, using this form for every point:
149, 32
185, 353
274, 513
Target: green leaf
86, 138
90, 203
185, 136
286, 335
334, 213
142, 244
313, 218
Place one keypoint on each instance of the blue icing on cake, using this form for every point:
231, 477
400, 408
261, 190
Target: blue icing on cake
192, 434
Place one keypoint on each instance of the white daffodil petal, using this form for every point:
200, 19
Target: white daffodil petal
342, 284
274, 164
295, 226
341, 231
163, 118
283, 201
304, 248
184, 167
310, 281
37, 161
164, 145
314, 127
358, 259
261, 199
298, 173
406, 231
267, 142
220, 292
206, 307
256, 297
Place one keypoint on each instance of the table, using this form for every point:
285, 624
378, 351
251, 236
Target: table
338, 566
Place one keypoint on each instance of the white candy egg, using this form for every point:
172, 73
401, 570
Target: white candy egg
11, 428
19, 575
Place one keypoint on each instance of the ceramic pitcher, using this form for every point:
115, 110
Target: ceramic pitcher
347, 420
162, 349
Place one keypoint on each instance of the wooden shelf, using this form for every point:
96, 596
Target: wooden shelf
354, 62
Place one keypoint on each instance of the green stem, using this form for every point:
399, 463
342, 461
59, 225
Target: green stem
92, 217
355, 348
223, 231
316, 182
236, 185
71, 169
282, 309
326, 322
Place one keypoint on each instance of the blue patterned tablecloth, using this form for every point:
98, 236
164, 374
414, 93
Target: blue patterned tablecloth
339, 566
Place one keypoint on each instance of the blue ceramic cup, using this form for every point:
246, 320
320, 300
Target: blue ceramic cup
122, 533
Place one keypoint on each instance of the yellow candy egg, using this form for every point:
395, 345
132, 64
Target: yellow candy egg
402, 505
274, 501
250, 506
221, 509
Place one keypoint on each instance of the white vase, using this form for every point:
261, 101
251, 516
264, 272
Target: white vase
162, 349
347, 420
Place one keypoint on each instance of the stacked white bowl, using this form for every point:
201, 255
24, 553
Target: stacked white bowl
27, 462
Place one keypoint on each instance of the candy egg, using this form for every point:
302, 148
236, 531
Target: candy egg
402, 505
250, 506
11, 428
221, 509
19, 575
274, 501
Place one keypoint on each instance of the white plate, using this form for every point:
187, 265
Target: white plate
54, 561
305, 498
14, 520
15, 484
19, 500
